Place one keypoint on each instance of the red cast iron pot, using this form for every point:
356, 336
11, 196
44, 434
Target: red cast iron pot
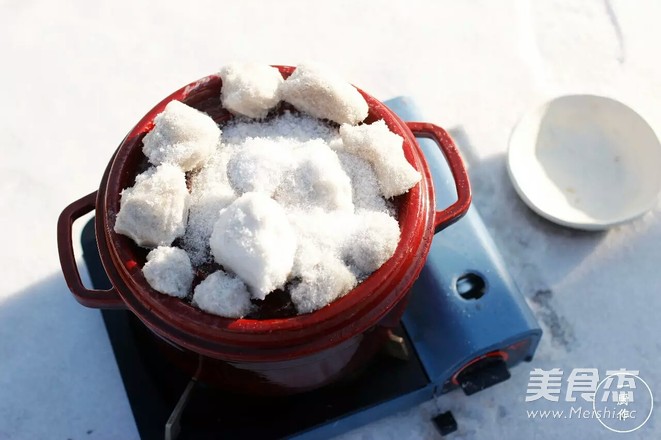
270, 356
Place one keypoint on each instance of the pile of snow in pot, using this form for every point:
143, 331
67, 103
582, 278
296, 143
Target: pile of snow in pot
287, 201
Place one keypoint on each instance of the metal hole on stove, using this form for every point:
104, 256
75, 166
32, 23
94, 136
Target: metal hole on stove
471, 286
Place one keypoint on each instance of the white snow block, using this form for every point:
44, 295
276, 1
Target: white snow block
181, 136
153, 212
168, 270
223, 295
324, 95
254, 239
250, 89
383, 149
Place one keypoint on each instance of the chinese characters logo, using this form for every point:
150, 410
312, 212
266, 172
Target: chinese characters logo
621, 401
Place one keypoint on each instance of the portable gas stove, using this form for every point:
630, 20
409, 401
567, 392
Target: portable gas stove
465, 325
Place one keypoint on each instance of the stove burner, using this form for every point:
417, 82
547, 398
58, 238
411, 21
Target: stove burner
465, 325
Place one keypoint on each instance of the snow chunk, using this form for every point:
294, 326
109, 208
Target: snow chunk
372, 242
259, 165
383, 149
223, 295
153, 212
169, 270
364, 183
323, 95
250, 89
254, 239
321, 235
317, 180
181, 136
321, 285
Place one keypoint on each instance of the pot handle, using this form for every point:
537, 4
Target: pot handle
446, 217
100, 299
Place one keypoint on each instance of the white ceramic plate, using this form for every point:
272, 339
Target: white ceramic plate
585, 161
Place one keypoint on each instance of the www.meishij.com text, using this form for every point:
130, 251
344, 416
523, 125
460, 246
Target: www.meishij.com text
581, 413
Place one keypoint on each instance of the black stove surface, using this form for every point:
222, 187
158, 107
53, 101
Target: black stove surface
154, 386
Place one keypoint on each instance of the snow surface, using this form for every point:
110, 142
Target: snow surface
316, 180
240, 165
210, 192
322, 284
259, 164
365, 187
372, 241
472, 67
289, 163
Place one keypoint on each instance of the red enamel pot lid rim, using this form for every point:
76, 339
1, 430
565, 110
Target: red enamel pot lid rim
369, 301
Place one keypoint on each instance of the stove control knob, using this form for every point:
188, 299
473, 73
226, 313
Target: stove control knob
483, 373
